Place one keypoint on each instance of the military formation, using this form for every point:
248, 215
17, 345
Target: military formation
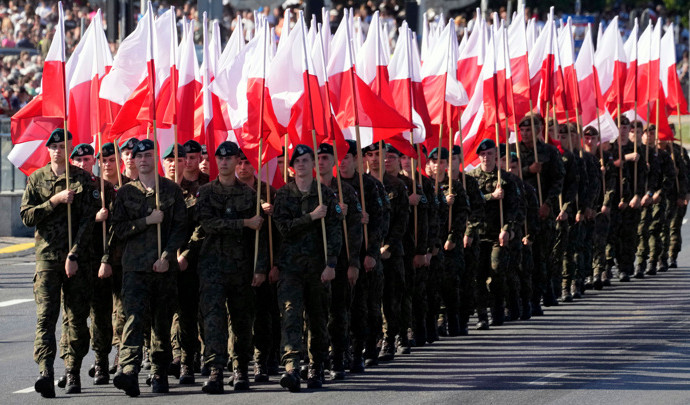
362, 256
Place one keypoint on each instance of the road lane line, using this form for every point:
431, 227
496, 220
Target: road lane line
28, 390
15, 302
544, 380
17, 248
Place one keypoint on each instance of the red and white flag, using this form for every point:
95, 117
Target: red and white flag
471, 58
55, 95
611, 62
519, 65
675, 100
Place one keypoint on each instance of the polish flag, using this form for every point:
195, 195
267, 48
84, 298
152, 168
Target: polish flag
353, 101
675, 100
611, 63
630, 90
55, 95
593, 112
519, 65
229, 85
471, 58
569, 100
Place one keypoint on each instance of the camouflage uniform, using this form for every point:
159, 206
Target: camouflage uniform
602, 222
51, 253
141, 287
526, 256
493, 258
341, 294
226, 262
563, 265
394, 266
301, 263
475, 221
512, 276
551, 177
185, 328
677, 213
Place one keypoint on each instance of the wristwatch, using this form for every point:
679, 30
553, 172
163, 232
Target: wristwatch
72, 257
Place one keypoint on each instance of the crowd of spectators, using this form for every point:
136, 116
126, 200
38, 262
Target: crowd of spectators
27, 28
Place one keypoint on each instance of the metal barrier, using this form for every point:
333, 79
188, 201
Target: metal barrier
11, 178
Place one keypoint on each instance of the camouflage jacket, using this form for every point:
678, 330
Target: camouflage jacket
115, 244
570, 183
302, 244
552, 171
98, 251
353, 219
432, 214
629, 171
132, 205
374, 208
190, 192
460, 210
396, 194
680, 157
477, 202
228, 245
487, 184
51, 222
420, 246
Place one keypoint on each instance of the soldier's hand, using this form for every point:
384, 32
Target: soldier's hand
254, 222
544, 211
562, 216
681, 202
369, 263
258, 280
352, 275
497, 194
526, 241
617, 163
427, 259
656, 198
155, 217
632, 157
605, 209
646, 200
622, 205
589, 214
448, 246
635, 202
415, 199
579, 216
535, 168
328, 274
450, 199
182, 262
273, 275
418, 261
319, 212
434, 251
503, 238
102, 215
385, 253
63, 197
466, 241
161, 266
365, 218
268, 208
343, 208
105, 271
71, 268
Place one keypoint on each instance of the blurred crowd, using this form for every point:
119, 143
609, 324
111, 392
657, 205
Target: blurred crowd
28, 26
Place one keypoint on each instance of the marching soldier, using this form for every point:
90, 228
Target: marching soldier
126, 151
171, 166
204, 164
227, 214
60, 268
681, 205
149, 281
305, 274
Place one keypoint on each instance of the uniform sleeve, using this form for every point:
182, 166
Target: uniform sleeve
123, 226
178, 228
432, 216
110, 195
354, 226
400, 212
209, 220
288, 226
33, 209
460, 210
510, 204
423, 209
86, 213
556, 179
569, 186
334, 229
374, 207
477, 203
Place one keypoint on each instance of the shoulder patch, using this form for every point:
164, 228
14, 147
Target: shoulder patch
423, 199
359, 207
378, 200
96, 194
338, 209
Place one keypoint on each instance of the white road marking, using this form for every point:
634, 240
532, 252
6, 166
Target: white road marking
685, 221
15, 302
28, 390
545, 379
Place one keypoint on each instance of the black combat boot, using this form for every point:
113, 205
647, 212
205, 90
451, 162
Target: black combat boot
186, 374
159, 384
62, 381
483, 319
387, 352
73, 383
357, 365
127, 382
371, 354
453, 325
526, 311
240, 379
214, 384
663, 265
463, 320
260, 372
651, 268
315, 376
497, 315
45, 384
101, 375
337, 366
291, 381
175, 367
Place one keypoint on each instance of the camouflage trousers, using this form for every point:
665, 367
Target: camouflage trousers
491, 275
650, 232
560, 262
450, 271
407, 310
48, 285
226, 296
622, 239
676, 240
585, 258
339, 310
266, 324
419, 303
300, 292
393, 289
542, 252
468, 280
599, 238
118, 315
432, 292
185, 324
365, 313
513, 276
144, 293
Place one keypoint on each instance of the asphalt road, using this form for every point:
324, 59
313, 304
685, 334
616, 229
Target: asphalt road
629, 344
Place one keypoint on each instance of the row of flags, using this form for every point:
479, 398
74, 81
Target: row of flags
313, 85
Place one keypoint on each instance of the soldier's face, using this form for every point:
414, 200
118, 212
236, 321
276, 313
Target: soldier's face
591, 142
205, 165
514, 168
244, 170
57, 152
128, 160
281, 161
144, 162
170, 167
84, 162
303, 166
649, 138
455, 163
191, 162
392, 163
347, 165
487, 159
526, 135
623, 133
565, 140
326, 163
226, 165
109, 167
406, 163
372, 159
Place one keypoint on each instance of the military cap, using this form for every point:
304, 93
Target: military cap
502, 149
637, 124
241, 155
204, 151
563, 128
228, 148
526, 121
456, 150
83, 149
57, 136
650, 127
142, 146
352, 147
325, 148
170, 152
371, 148
591, 131
435, 152
513, 157
391, 149
300, 150
130, 144
107, 149
486, 144
623, 118
192, 146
